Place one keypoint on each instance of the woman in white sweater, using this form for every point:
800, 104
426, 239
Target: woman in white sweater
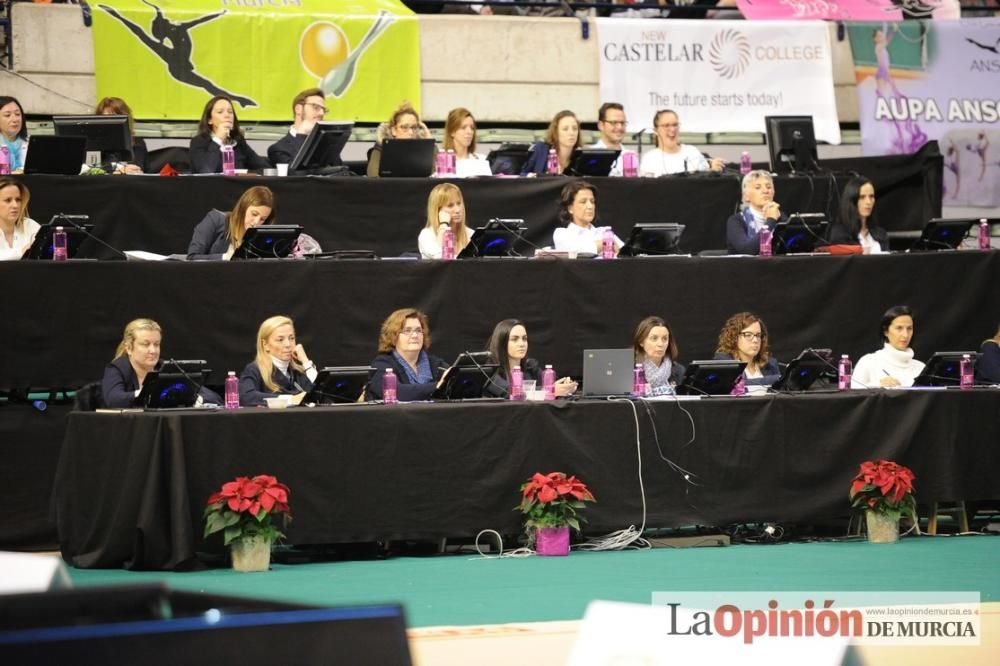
893, 365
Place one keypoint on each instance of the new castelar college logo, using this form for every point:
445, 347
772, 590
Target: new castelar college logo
729, 53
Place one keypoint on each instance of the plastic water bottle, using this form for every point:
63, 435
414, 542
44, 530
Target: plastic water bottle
552, 167
4, 161
608, 244
516, 384
228, 161
452, 161
638, 381
746, 164
441, 163
844, 371
984, 234
549, 383
765, 242
59, 245
739, 386
232, 391
448, 244
630, 166
965, 373
389, 387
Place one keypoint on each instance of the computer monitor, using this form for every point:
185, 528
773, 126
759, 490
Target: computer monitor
509, 159
339, 385
804, 369
104, 134
175, 384
592, 161
791, 143
943, 234
710, 377
943, 369
801, 233
466, 377
653, 238
41, 247
58, 155
268, 241
322, 147
407, 158
498, 238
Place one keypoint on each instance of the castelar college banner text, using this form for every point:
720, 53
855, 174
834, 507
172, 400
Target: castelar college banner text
167, 58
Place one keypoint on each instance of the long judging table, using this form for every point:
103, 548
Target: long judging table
130, 488
66, 318
385, 215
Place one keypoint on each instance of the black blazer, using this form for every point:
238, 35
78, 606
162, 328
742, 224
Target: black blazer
210, 239
252, 389
206, 156
405, 391
499, 387
120, 383
741, 237
284, 150
839, 235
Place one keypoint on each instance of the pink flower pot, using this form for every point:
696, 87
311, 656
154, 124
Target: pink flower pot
553, 541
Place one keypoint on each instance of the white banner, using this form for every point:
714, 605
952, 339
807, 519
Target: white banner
719, 76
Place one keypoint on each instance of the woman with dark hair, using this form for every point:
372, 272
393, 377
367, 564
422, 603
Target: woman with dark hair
578, 210
744, 338
219, 234
120, 163
508, 347
403, 342
13, 132
893, 365
656, 349
281, 365
404, 123
988, 365
563, 136
219, 127
17, 230
857, 224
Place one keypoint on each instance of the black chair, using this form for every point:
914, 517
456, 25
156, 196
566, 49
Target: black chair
179, 157
89, 398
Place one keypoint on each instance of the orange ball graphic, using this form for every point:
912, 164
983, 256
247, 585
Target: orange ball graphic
322, 47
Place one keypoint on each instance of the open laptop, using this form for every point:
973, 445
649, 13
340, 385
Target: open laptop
407, 158
41, 247
943, 368
466, 377
607, 372
61, 155
803, 371
943, 234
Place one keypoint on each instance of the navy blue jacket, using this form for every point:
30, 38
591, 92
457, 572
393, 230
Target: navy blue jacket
252, 389
119, 384
741, 235
210, 239
206, 156
538, 161
405, 391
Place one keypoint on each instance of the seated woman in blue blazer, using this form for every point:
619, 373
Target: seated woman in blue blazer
508, 347
282, 366
744, 338
563, 135
402, 344
758, 210
220, 233
137, 355
655, 348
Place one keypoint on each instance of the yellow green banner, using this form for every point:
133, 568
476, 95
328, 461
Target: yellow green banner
167, 58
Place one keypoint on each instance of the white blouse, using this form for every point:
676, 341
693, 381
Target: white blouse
23, 238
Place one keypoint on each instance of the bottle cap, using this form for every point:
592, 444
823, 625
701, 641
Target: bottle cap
59, 229
548, 366
232, 373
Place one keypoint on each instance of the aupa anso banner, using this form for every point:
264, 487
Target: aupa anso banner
719, 76
167, 58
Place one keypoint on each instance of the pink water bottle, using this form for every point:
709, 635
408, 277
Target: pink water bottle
59, 252
516, 383
984, 234
552, 167
630, 166
844, 371
638, 381
452, 161
549, 383
232, 391
765, 241
389, 387
4, 161
447, 243
441, 163
608, 244
739, 386
966, 370
228, 161
746, 164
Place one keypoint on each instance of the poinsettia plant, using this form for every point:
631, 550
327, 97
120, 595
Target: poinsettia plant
553, 500
244, 507
885, 487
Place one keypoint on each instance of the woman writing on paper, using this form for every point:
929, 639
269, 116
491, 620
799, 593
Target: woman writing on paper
893, 365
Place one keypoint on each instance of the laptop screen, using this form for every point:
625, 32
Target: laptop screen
608, 371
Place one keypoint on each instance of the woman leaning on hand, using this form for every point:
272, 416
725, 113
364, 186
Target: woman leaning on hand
280, 368
219, 234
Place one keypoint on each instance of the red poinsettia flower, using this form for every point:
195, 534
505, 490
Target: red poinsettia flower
885, 486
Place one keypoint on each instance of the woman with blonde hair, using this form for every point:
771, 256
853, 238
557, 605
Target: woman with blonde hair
403, 342
445, 209
563, 136
281, 367
744, 338
404, 123
219, 234
120, 163
17, 230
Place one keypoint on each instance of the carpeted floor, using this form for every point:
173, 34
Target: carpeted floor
466, 589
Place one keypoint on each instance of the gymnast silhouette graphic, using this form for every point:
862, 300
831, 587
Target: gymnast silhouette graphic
172, 44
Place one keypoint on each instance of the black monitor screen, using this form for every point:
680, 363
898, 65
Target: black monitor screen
41, 247
653, 238
941, 234
269, 241
800, 233
592, 161
710, 377
943, 369
791, 143
339, 385
466, 377
498, 238
509, 159
322, 147
107, 134
805, 369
